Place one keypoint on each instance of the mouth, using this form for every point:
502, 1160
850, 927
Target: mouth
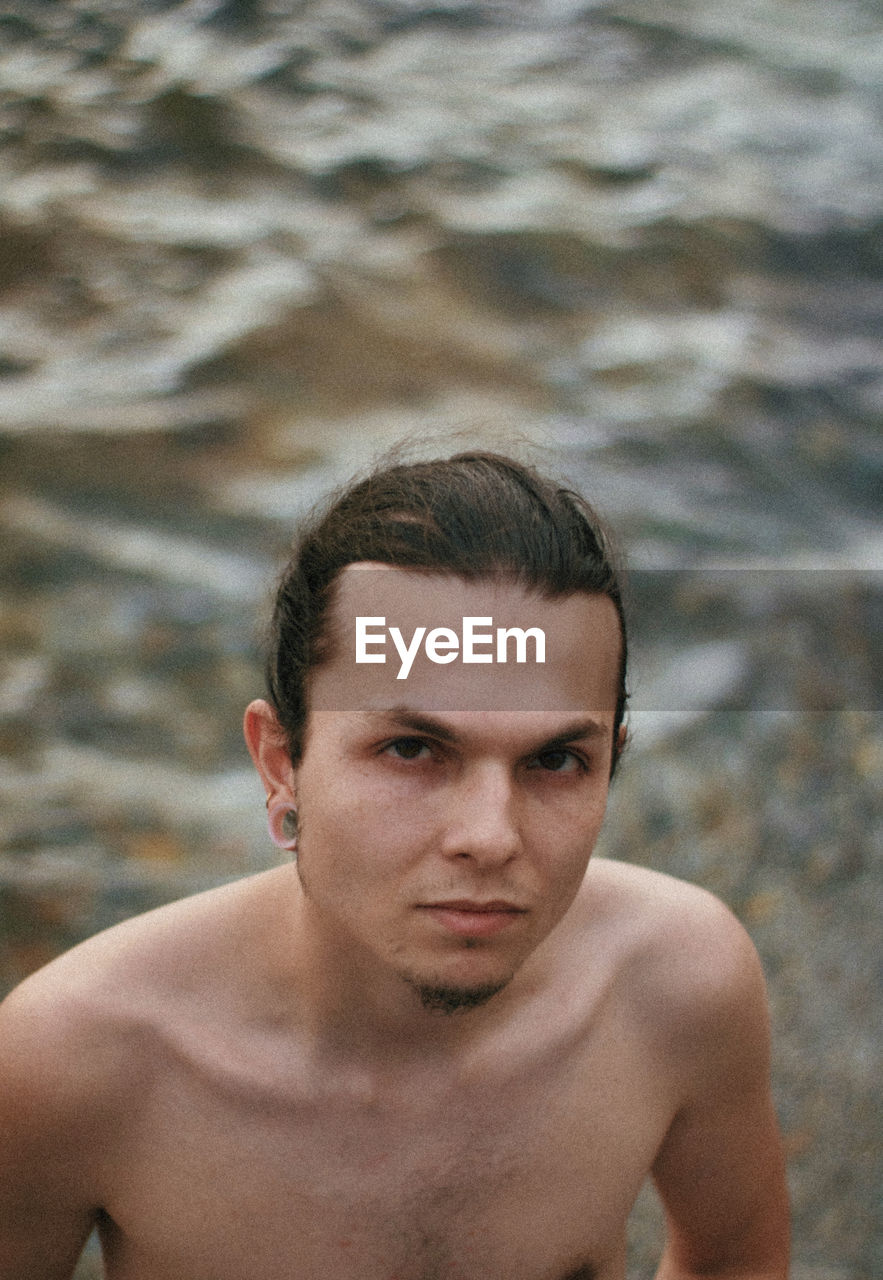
473, 919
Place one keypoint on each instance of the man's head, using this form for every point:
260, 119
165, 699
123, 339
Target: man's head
447, 812
474, 516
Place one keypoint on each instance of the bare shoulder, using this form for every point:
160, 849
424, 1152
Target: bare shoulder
80, 1042
662, 910
82, 1031
684, 962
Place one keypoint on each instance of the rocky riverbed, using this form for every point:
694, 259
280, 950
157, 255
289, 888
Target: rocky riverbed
246, 246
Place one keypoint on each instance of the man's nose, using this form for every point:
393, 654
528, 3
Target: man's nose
483, 823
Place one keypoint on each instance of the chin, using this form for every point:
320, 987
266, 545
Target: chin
448, 1000
438, 995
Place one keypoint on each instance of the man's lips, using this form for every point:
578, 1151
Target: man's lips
473, 919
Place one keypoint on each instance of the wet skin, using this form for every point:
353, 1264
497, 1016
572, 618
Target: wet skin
256, 1081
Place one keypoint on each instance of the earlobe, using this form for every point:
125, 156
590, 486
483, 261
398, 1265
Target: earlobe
267, 746
282, 824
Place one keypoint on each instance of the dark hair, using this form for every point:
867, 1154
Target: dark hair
474, 515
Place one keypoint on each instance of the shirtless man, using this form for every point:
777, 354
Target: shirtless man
438, 1043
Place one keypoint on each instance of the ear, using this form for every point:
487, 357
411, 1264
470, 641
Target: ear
265, 739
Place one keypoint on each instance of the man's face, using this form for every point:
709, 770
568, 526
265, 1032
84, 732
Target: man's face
447, 818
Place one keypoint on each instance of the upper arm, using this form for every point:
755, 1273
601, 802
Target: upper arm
720, 1170
45, 1208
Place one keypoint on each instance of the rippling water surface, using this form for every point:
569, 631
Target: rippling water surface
246, 246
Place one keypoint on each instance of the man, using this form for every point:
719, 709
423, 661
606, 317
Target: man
439, 1043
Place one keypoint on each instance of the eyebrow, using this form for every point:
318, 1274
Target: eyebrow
408, 718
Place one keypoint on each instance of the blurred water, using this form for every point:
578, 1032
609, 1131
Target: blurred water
244, 246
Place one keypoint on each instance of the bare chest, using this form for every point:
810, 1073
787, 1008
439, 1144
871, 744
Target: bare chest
530, 1175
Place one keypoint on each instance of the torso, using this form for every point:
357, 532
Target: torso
245, 1153
481, 1187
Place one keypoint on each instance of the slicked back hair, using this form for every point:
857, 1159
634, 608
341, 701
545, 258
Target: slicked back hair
474, 515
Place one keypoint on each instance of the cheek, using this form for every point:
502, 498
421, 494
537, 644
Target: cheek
365, 831
569, 834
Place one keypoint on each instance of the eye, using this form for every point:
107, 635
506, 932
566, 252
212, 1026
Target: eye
407, 748
560, 761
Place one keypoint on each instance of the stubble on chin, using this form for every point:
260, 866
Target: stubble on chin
447, 1000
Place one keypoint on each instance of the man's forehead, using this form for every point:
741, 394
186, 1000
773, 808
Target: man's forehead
367, 579
404, 588
442, 643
